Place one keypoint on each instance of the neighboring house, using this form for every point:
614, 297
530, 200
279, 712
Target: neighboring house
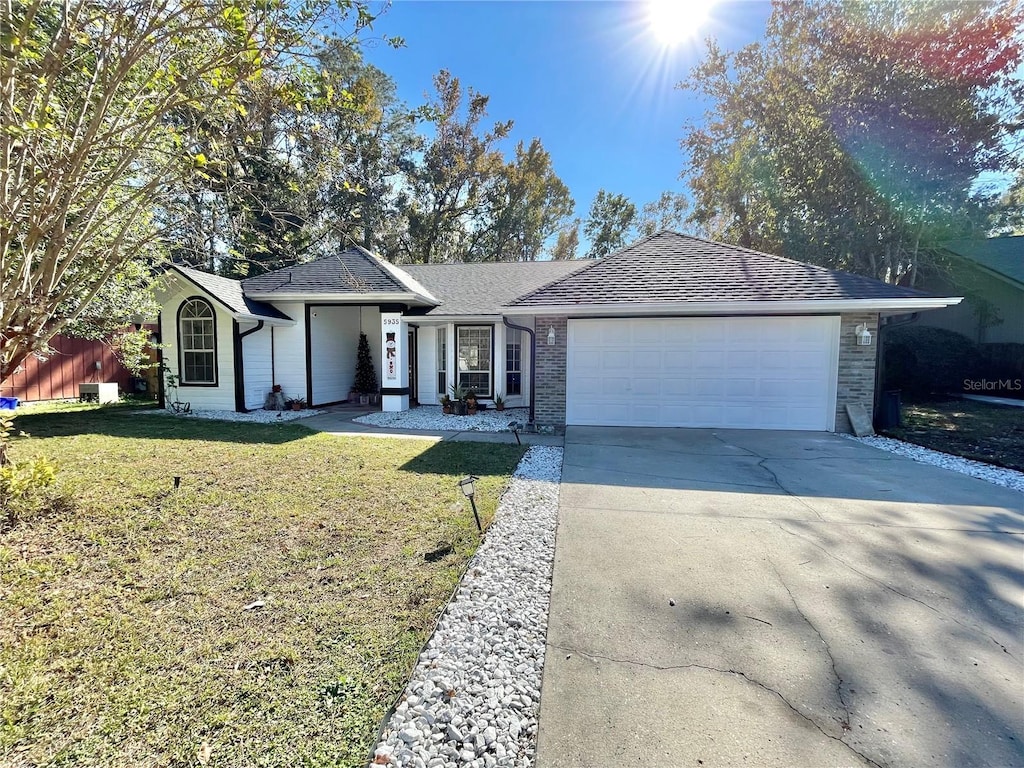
989, 274
71, 362
670, 331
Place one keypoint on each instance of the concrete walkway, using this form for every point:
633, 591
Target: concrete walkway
779, 599
339, 422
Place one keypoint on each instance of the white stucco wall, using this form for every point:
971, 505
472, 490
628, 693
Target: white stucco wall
334, 340
290, 351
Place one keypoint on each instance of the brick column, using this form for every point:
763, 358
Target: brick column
856, 367
550, 370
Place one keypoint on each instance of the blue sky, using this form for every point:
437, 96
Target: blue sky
590, 79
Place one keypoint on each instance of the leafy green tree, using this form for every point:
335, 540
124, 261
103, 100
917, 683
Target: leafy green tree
448, 188
667, 212
609, 224
854, 134
568, 244
91, 156
525, 204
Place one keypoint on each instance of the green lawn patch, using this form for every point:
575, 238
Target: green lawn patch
124, 638
975, 430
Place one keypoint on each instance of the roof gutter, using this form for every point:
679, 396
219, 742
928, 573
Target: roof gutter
342, 298
828, 306
533, 364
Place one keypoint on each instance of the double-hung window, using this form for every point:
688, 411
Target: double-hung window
474, 344
197, 340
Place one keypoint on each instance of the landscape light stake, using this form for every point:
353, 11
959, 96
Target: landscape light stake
468, 487
514, 428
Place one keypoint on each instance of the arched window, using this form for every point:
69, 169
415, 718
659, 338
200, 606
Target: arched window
197, 341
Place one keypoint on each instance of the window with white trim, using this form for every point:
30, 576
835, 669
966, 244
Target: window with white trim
474, 345
513, 362
442, 360
197, 340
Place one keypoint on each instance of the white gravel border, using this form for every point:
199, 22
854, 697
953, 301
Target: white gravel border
430, 417
1008, 478
474, 696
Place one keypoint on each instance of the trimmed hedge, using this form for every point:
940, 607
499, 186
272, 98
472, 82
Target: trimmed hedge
922, 360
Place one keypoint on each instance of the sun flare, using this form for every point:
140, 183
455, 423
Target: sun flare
675, 21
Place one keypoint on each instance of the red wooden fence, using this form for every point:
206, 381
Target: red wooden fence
72, 362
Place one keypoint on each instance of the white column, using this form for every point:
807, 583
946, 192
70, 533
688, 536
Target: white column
394, 387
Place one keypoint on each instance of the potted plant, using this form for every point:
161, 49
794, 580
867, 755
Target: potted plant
296, 403
458, 400
471, 402
499, 402
446, 405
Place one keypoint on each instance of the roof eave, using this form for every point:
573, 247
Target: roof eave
343, 298
740, 307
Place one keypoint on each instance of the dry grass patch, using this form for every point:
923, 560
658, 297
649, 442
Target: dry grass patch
124, 639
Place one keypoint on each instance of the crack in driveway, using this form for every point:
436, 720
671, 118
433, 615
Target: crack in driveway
828, 649
893, 589
719, 670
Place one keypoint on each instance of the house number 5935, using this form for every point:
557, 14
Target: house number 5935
392, 321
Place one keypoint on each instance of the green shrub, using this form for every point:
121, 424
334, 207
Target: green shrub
923, 360
26, 487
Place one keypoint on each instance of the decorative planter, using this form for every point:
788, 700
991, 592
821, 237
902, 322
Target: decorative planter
353, 396
364, 399
460, 409
499, 406
471, 410
446, 409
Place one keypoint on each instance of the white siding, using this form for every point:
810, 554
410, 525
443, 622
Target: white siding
258, 368
290, 351
334, 340
220, 397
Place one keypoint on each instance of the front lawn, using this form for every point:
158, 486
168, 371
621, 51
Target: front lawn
125, 637
968, 428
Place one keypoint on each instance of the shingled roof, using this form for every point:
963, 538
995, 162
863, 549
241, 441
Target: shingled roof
229, 293
483, 288
1001, 255
669, 267
354, 271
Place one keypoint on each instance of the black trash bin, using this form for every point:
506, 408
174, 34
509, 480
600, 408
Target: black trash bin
889, 410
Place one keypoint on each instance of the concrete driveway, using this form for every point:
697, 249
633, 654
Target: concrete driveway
779, 599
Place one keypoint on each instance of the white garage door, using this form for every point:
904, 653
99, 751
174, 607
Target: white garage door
732, 372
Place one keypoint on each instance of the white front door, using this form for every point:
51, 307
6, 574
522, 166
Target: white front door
726, 372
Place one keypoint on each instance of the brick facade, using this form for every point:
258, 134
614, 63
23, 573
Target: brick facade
551, 360
856, 367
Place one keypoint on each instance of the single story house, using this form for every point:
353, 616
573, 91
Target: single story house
670, 331
990, 276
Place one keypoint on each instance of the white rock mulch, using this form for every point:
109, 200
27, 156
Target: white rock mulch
1008, 478
474, 697
258, 417
430, 417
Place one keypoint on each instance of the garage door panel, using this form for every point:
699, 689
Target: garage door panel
768, 373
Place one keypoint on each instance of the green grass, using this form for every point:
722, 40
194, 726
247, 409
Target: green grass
968, 428
123, 635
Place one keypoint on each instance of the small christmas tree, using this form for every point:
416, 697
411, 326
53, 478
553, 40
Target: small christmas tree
366, 377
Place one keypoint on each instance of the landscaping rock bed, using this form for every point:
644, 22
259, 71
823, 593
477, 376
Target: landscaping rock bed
430, 418
1008, 478
474, 695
